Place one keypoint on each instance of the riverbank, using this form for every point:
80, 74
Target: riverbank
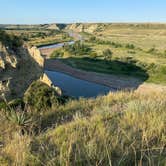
47, 50
112, 81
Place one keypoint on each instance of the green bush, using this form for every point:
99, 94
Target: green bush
95, 40
57, 54
11, 41
78, 48
130, 46
40, 96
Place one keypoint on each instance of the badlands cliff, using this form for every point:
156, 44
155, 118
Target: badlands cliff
18, 69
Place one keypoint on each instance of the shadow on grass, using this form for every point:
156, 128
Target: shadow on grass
108, 67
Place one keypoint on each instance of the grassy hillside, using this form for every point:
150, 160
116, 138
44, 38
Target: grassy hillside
123, 128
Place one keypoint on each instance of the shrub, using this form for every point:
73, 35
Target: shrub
92, 39
107, 54
57, 54
20, 121
11, 41
16, 103
40, 96
95, 40
130, 46
116, 45
78, 48
152, 50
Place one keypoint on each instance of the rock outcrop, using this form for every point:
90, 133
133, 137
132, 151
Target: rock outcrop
45, 79
7, 57
34, 52
18, 69
88, 28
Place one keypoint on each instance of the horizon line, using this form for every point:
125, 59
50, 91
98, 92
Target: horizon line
88, 22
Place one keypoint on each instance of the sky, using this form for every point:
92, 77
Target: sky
69, 11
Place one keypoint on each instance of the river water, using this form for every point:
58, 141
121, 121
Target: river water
76, 87
58, 45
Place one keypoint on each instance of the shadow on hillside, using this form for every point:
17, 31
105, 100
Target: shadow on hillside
118, 70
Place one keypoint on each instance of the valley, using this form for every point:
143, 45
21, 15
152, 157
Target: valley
83, 94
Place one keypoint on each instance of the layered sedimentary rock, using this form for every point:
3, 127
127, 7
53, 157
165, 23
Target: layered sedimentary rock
89, 28
18, 69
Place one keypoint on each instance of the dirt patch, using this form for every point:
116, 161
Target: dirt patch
151, 88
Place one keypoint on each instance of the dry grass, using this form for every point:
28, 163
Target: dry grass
123, 128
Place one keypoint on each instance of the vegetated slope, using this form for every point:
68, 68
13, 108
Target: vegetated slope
17, 68
124, 128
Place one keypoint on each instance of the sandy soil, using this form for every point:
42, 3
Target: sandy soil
46, 52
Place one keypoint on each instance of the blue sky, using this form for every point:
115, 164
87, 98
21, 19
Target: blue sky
66, 11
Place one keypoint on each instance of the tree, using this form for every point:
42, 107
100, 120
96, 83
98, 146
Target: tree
12, 41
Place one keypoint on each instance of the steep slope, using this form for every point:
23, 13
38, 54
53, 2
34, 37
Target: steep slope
18, 69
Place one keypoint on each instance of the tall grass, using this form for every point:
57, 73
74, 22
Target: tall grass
123, 128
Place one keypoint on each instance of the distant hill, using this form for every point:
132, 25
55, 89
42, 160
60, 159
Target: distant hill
98, 27
37, 26
83, 27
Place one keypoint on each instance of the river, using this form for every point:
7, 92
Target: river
73, 86
76, 87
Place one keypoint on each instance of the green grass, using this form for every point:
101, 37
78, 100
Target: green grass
109, 67
148, 72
